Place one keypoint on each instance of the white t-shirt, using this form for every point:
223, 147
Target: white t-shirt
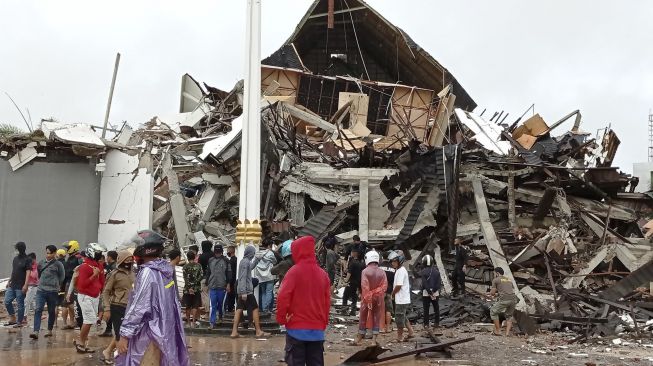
401, 278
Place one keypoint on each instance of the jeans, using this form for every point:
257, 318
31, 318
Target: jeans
217, 296
426, 302
300, 353
350, 294
17, 294
30, 299
266, 297
42, 298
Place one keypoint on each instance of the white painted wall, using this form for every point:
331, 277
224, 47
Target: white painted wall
126, 193
643, 172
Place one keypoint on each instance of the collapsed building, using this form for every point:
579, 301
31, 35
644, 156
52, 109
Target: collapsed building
364, 133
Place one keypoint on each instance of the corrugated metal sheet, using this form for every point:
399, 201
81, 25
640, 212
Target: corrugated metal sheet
319, 225
641, 276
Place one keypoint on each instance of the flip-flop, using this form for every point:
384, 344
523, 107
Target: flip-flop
264, 334
106, 361
496, 334
235, 336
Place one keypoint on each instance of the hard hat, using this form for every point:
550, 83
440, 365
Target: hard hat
72, 246
61, 252
400, 257
285, 248
94, 250
371, 257
427, 260
148, 243
392, 255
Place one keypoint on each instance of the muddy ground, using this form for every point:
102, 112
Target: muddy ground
543, 349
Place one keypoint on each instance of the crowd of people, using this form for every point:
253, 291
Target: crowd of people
134, 291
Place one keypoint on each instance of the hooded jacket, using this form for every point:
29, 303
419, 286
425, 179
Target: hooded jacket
304, 297
153, 315
219, 272
244, 281
119, 284
85, 284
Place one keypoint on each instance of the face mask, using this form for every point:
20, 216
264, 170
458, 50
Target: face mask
127, 265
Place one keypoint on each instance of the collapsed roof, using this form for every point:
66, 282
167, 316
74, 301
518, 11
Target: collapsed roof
363, 44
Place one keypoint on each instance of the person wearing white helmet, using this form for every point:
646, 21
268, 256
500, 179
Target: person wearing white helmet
373, 287
386, 266
401, 293
431, 284
90, 281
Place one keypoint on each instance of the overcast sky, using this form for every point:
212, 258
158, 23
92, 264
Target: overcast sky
57, 57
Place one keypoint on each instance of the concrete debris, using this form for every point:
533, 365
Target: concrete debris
405, 166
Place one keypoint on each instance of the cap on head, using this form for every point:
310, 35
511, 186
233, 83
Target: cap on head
218, 249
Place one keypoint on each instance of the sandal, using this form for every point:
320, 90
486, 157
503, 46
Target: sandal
105, 359
496, 334
263, 334
235, 336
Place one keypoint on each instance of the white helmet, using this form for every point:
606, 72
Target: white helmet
392, 255
94, 250
371, 257
427, 260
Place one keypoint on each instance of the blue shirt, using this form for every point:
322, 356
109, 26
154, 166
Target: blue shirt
307, 335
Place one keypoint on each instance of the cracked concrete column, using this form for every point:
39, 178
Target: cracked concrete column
364, 209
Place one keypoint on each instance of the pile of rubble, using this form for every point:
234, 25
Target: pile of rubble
403, 165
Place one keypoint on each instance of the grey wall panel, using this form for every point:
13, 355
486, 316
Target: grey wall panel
46, 203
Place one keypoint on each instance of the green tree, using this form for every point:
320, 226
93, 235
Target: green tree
7, 129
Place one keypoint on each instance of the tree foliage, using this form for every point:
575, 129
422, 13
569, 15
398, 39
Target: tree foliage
7, 129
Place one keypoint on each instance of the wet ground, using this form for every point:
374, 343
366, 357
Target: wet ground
545, 349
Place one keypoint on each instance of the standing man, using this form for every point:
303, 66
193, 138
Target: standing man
386, 266
21, 267
52, 274
303, 306
207, 254
90, 280
219, 280
431, 284
353, 280
331, 262
506, 301
73, 261
152, 332
192, 288
401, 294
231, 295
265, 260
245, 292
110, 266
373, 286
286, 263
115, 296
458, 275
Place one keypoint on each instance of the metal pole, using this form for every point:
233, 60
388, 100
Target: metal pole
113, 84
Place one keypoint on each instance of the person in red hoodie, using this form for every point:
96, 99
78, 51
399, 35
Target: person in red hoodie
90, 282
303, 305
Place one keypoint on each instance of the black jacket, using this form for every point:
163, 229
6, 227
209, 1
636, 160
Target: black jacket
431, 281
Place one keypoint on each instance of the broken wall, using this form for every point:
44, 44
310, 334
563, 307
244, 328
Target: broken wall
47, 203
126, 196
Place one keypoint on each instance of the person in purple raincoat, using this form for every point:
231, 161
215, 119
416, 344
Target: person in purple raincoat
152, 331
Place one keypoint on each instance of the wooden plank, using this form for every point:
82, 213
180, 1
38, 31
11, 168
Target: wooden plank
574, 282
491, 241
311, 118
443, 273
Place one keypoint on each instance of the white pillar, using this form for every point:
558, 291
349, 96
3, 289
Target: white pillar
364, 210
250, 164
